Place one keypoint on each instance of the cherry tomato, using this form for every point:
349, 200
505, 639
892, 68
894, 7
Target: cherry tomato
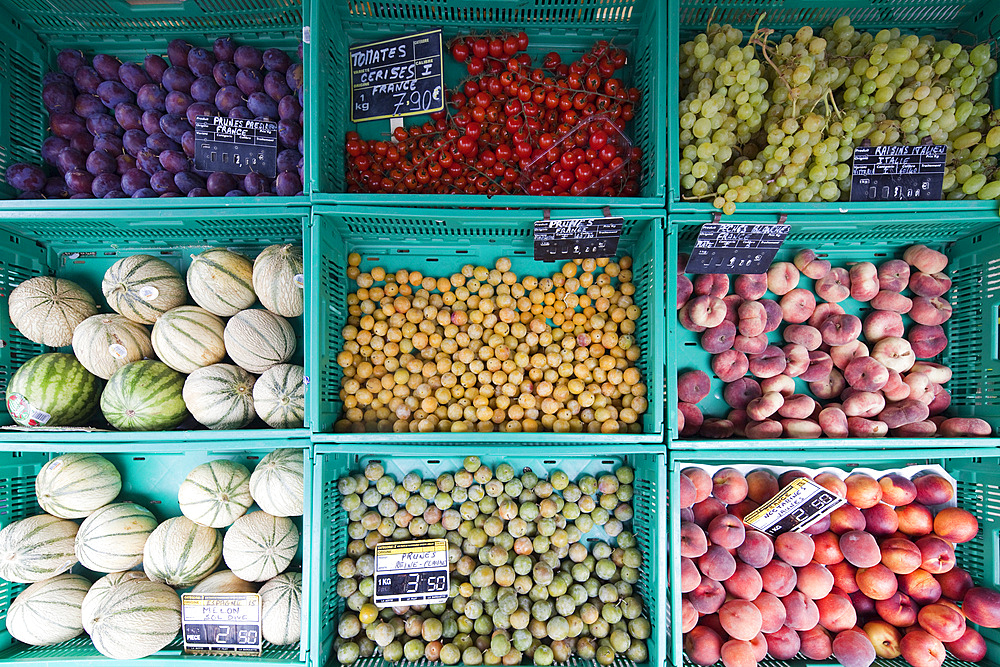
584, 172
496, 47
460, 52
605, 67
480, 48
552, 60
474, 66
522, 41
510, 45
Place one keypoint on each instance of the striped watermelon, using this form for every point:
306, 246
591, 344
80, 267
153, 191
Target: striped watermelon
144, 396
48, 612
224, 581
111, 539
220, 396
279, 396
277, 483
36, 548
181, 553
53, 389
281, 609
72, 486
216, 493
102, 588
47, 309
105, 343
258, 339
142, 288
278, 279
221, 281
259, 546
134, 620
188, 338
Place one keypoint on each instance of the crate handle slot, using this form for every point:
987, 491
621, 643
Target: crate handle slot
144, 6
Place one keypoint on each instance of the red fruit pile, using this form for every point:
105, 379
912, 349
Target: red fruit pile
877, 577
512, 128
868, 374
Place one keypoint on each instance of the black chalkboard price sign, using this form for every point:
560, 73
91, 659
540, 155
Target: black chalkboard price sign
577, 238
723, 248
898, 173
397, 77
236, 145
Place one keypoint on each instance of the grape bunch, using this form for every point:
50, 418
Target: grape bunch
779, 120
513, 127
543, 569
127, 129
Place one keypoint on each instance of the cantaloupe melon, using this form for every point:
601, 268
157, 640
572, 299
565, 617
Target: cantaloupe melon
102, 588
188, 338
220, 396
216, 493
37, 548
259, 546
48, 612
224, 581
279, 396
73, 486
105, 343
143, 287
258, 339
277, 483
281, 609
112, 538
278, 279
135, 619
181, 553
46, 310
221, 281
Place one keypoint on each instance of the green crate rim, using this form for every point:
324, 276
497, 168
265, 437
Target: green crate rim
168, 657
656, 364
970, 223
20, 221
657, 99
321, 449
838, 453
868, 11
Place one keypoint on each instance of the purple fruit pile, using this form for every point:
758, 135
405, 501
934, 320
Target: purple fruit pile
127, 129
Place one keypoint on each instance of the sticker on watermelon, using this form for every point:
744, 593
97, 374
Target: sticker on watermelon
23, 412
299, 280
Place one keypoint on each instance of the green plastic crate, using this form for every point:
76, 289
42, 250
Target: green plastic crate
333, 461
638, 26
83, 246
33, 32
439, 242
970, 241
977, 472
956, 20
151, 478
